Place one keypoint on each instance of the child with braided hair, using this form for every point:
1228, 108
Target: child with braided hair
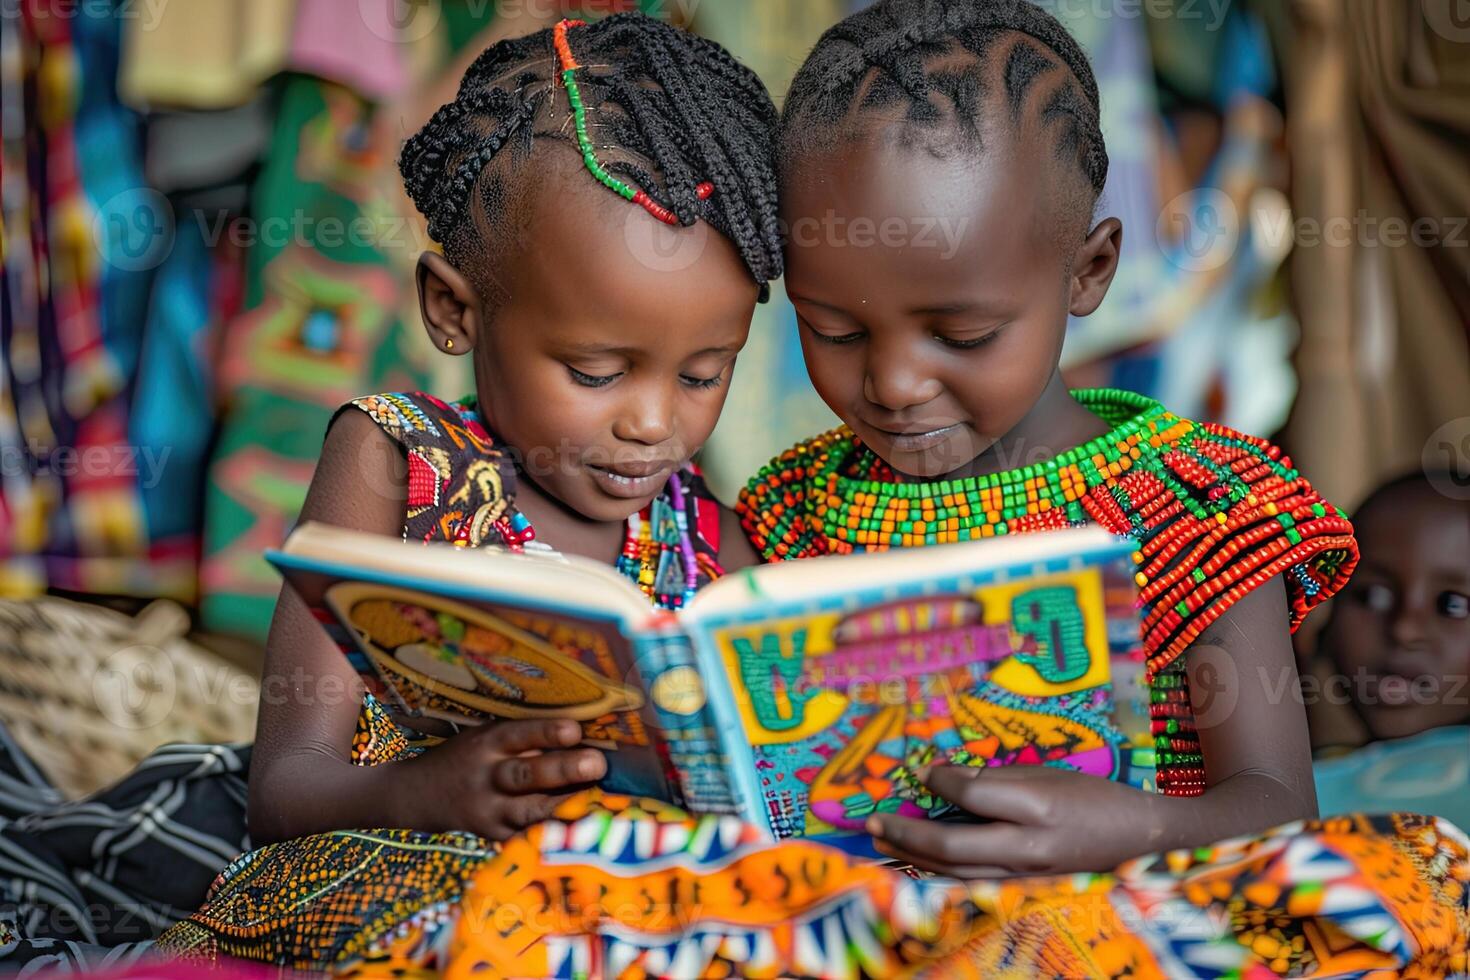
599, 372
600, 368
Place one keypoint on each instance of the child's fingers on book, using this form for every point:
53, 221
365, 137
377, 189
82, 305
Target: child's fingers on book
535, 733
521, 812
1013, 793
550, 770
951, 845
928, 863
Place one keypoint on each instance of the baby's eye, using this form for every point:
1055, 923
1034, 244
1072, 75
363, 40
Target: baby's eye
1454, 605
693, 382
593, 380
1375, 597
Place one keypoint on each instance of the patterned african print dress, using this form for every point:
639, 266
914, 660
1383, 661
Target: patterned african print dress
614, 886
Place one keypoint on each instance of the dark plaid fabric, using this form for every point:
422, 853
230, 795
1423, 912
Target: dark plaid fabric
91, 883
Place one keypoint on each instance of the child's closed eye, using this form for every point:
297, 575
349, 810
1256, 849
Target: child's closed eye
593, 380
702, 383
829, 336
967, 343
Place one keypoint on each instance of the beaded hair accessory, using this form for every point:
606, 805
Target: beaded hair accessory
569, 69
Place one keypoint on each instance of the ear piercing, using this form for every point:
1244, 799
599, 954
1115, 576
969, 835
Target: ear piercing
448, 344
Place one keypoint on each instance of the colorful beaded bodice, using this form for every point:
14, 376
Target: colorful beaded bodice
1214, 513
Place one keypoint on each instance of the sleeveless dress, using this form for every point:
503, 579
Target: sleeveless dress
615, 886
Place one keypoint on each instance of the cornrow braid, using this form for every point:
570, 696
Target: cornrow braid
892, 50
663, 117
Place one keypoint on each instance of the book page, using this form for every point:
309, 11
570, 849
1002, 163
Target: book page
845, 683
554, 582
468, 638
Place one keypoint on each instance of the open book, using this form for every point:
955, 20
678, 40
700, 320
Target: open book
801, 696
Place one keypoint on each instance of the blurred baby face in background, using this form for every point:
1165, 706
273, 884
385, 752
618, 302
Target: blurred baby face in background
1400, 632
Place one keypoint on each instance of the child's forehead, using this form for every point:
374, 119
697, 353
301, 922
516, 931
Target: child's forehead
983, 200
1415, 524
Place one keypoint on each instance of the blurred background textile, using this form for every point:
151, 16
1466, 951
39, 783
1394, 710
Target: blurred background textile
206, 250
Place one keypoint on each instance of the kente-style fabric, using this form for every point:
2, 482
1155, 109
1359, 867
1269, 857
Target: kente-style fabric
615, 886
1214, 513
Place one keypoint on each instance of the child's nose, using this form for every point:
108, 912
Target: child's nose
895, 383
1407, 626
648, 416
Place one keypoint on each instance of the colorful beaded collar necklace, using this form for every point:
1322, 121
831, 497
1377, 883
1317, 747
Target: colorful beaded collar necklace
858, 503
569, 69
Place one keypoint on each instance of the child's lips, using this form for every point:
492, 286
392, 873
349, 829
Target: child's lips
631, 481
917, 439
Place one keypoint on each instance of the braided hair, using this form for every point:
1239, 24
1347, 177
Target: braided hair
667, 110
909, 54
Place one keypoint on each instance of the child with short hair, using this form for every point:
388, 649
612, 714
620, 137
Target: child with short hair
943, 365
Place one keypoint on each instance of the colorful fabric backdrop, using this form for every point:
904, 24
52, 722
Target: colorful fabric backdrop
205, 249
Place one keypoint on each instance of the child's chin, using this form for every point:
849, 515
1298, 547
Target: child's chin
925, 467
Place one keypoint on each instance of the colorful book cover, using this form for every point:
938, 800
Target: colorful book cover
801, 696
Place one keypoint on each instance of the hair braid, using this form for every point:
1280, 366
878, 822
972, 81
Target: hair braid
888, 49
675, 110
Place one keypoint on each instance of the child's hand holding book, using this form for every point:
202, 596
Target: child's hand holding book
496, 780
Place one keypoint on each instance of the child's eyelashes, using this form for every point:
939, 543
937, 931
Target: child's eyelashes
603, 380
968, 344
830, 338
593, 380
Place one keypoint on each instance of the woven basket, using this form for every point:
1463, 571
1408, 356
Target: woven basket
88, 692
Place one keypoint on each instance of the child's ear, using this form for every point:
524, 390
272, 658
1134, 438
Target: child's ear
1094, 266
449, 304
